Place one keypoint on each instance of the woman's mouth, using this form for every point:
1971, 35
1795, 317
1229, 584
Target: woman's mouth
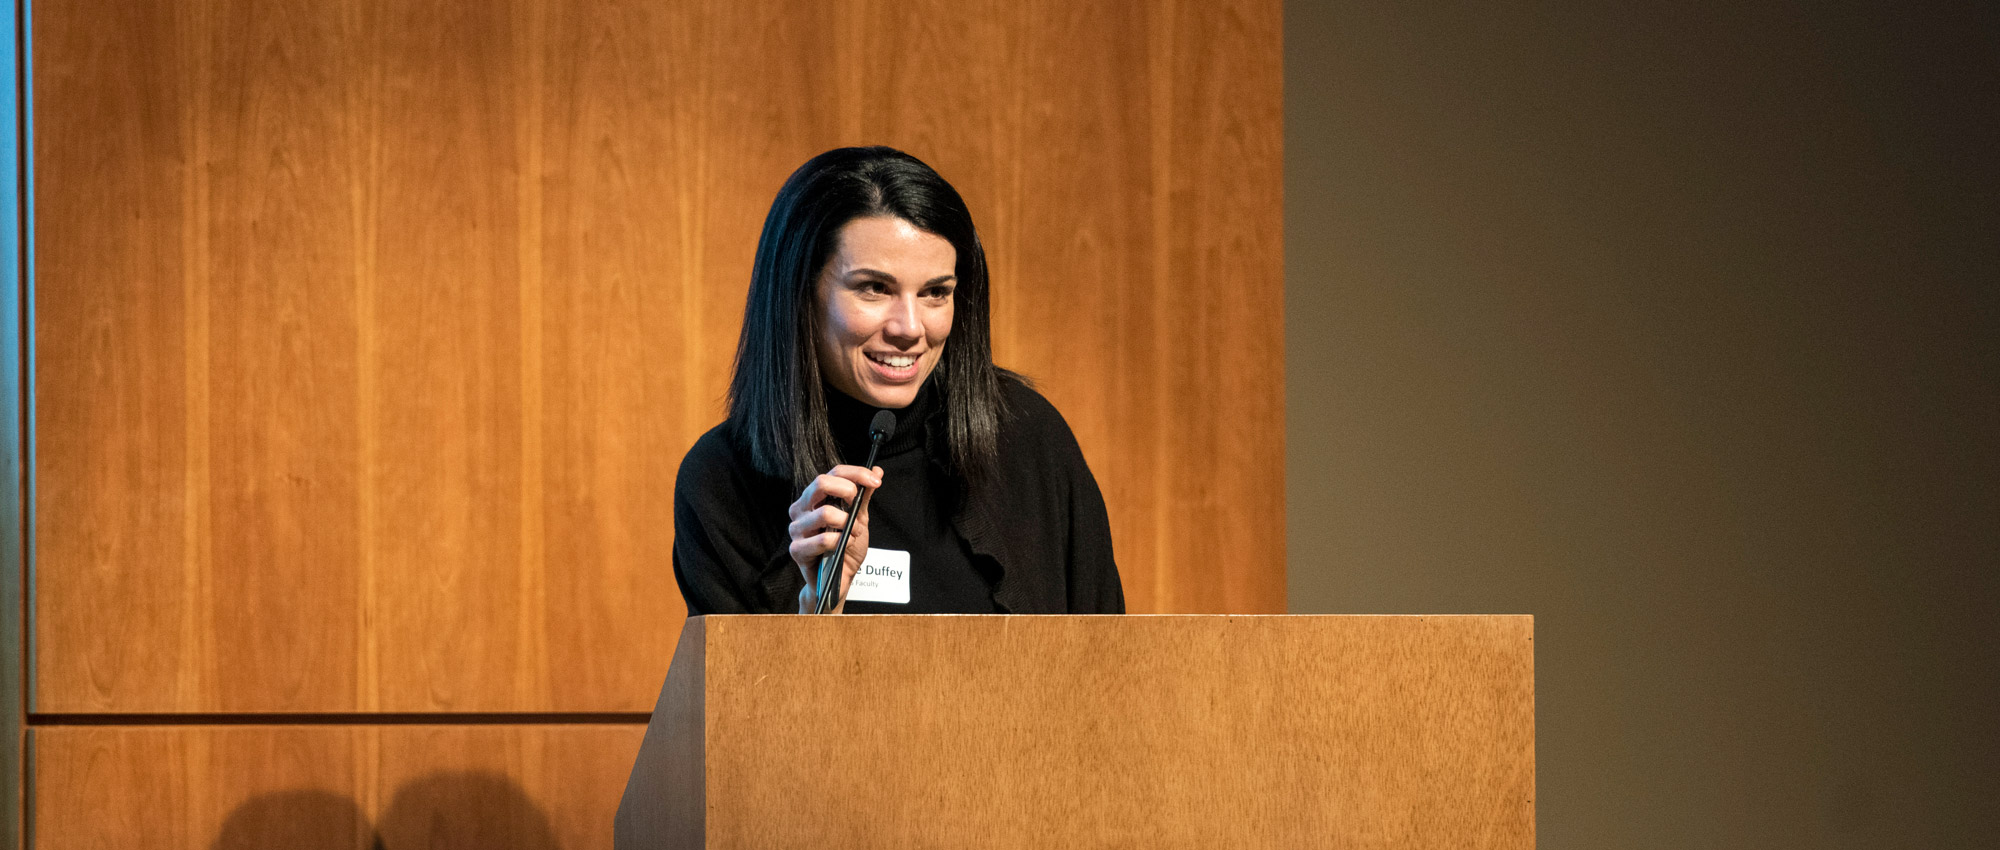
894, 368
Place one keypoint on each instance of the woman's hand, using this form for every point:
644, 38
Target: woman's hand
818, 516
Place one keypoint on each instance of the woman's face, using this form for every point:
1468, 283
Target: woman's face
885, 298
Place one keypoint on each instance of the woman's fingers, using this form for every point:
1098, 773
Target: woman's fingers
824, 516
864, 477
841, 482
857, 547
807, 550
821, 512
821, 489
808, 546
857, 551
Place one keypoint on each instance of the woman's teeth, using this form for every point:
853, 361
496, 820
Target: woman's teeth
895, 361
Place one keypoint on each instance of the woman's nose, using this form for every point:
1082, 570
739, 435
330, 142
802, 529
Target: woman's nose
904, 322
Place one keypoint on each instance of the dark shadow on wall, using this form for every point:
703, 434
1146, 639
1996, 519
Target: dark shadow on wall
464, 811
440, 811
297, 820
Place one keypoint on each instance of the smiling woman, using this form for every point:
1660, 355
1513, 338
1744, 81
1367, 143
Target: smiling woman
869, 292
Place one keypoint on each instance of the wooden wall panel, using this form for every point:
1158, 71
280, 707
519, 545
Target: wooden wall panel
272, 382
1124, 162
643, 216
111, 403
1217, 291
371, 333
454, 629
328, 787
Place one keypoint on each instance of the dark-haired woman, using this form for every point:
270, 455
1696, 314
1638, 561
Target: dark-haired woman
869, 292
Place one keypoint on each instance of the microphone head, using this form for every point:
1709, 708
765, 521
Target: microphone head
883, 427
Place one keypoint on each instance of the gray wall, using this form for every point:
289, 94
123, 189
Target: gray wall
1675, 326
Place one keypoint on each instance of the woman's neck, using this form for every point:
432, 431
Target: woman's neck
850, 417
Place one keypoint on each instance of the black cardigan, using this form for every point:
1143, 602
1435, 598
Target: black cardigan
1040, 521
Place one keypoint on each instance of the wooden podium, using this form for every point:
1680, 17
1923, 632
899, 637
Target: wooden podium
1108, 731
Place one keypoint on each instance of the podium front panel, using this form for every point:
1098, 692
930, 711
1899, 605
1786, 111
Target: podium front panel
1141, 731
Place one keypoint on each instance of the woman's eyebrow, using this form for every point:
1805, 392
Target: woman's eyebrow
943, 278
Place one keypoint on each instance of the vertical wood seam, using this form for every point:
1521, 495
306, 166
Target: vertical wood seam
1160, 72
367, 197
195, 682
532, 686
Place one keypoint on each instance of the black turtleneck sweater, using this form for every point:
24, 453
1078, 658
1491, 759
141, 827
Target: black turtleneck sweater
910, 512
1035, 536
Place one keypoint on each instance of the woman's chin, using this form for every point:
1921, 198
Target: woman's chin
894, 397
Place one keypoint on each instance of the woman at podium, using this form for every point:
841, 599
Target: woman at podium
869, 293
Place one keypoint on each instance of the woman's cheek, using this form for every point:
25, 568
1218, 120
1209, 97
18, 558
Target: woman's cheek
941, 326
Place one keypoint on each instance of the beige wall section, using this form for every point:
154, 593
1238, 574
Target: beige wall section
370, 334
1674, 326
329, 788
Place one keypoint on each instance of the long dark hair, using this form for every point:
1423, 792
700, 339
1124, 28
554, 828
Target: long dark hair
777, 405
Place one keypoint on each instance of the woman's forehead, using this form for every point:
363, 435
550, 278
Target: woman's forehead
892, 246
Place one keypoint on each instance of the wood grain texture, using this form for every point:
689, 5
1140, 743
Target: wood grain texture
112, 412
272, 381
328, 788
445, 349
1099, 731
370, 334
664, 800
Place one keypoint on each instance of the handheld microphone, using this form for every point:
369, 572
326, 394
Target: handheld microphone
880, 429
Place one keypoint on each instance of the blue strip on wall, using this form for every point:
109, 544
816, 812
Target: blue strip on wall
14, 413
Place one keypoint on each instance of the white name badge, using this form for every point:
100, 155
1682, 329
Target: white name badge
884, 577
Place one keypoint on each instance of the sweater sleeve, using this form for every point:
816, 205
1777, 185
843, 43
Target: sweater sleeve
703, 572
1094, 586
729, 558
1071, 526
